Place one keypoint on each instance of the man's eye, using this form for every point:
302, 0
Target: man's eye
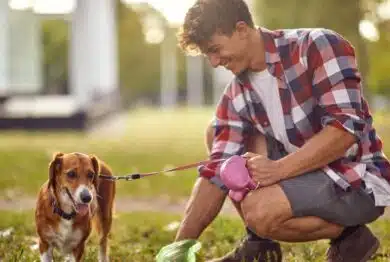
214, 50
90, 175
71, 174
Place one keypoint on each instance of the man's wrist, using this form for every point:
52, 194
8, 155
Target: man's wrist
285, 168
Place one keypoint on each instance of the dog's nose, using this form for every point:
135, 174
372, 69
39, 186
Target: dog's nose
85, 196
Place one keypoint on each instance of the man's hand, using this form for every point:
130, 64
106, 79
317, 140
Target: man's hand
264, 171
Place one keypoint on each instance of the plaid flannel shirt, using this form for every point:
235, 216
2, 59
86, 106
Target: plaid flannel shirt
319, 84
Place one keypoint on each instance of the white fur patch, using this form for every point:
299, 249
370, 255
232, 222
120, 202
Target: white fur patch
66, 202
67, 238
64, 237
47, 256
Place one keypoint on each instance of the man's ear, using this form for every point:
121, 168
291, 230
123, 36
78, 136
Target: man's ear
242, 29
54, 168
96, 169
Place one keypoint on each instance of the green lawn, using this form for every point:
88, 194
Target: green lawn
139, 236
153, 140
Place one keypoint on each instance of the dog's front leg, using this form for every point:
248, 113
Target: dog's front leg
45, 251
103, 256
78, 252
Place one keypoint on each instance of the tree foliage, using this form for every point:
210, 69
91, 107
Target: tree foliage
341, 16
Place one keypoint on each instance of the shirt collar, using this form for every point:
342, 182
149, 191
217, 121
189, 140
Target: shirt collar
271, 52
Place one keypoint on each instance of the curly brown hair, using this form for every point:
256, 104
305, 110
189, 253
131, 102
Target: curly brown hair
207, 17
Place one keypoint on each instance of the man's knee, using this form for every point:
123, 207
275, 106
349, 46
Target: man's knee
256, 217
264, 212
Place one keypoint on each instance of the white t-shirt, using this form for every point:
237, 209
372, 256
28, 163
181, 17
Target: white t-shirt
266, 86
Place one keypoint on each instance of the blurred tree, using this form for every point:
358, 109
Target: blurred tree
139, 63
55, 56
379, 51
340, 16
379, 77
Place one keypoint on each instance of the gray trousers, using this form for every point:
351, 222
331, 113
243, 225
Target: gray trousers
316, 194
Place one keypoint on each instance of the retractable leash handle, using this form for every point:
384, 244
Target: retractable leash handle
236, 177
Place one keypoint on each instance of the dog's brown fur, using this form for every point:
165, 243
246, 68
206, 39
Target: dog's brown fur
70, 235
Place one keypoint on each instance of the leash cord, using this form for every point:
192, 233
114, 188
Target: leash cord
137, 176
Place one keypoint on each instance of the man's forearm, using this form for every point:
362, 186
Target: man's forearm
325, 147
203, 206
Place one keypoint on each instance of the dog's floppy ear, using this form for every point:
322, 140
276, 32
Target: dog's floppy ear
96, 169
54, 167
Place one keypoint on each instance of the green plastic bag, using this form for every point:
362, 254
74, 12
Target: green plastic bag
181, 251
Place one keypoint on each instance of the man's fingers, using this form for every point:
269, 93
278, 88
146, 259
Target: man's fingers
249, 155
257, 159
266, 183
251, 165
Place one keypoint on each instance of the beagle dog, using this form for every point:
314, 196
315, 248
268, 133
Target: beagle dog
72, 200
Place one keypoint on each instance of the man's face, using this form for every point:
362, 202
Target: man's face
228, 51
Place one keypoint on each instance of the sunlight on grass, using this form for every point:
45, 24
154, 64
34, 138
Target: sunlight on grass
150, 140
139, 236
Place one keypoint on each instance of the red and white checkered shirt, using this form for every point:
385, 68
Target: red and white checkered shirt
319, 84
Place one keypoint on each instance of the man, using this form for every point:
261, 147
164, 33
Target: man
296, 95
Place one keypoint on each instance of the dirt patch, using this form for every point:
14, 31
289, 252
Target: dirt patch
129, 204
123, 204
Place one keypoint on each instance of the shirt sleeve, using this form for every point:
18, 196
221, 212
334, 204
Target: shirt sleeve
230, 129
336, 82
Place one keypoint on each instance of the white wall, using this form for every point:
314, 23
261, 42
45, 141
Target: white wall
93, 49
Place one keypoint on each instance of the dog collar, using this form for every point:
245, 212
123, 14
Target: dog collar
63, 214
57, 210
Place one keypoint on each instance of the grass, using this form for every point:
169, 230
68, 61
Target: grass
139, 236
149, 141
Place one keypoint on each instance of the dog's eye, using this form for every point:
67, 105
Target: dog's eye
90, 175
71, 174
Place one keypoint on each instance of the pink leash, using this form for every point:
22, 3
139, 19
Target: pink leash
136, 176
